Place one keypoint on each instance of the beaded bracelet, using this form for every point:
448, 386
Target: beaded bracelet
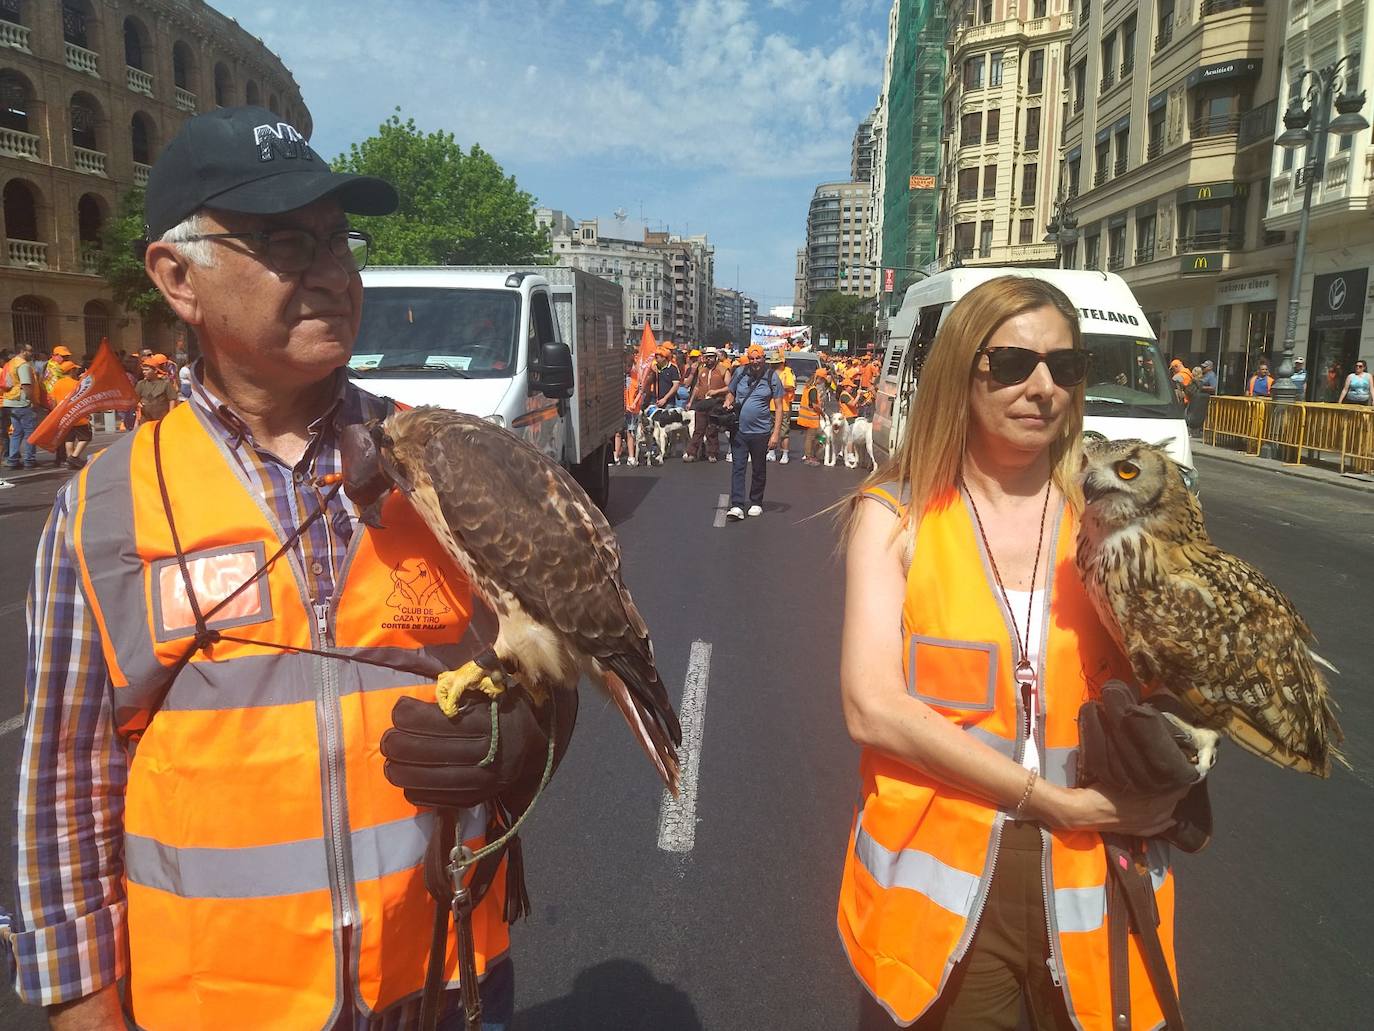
1025, 795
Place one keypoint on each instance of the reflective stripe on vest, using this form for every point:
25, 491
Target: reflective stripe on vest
922, 856
258, 821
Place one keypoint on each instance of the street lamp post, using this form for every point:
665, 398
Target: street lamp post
1062, 230
1320, 91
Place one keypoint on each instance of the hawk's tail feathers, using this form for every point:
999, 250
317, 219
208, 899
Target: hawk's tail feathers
648, 725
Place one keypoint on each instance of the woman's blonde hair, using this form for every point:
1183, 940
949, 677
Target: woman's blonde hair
927, 462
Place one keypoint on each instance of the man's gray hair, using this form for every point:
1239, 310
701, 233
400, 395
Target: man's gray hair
198, 252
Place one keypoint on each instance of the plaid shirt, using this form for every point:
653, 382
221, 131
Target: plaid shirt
68, 938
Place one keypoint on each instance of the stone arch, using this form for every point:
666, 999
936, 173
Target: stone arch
224, 85
31, 317
138, 44
23, 207
92, 211
17, 102
143, 137
80, 24
184, 66
251, 95
87, 121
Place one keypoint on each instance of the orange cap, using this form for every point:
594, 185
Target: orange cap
155, 360
68, 366
61, 352
755, 351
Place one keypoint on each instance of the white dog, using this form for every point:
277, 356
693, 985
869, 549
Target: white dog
836, 436
860, 435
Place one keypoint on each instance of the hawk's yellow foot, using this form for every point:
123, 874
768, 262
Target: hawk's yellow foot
471, 676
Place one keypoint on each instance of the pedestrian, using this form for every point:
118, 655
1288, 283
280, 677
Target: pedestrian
20, 389
627, 440
975, 880
1357, 386
72, 446
252, 862
660, 391
751, 391
1203, 387
1260, 383
708, 397
183, 366
156, 394
1299, 376
134, 371
809, 414
777, 362
1181, 379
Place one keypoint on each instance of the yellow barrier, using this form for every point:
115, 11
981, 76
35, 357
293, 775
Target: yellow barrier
1300, 429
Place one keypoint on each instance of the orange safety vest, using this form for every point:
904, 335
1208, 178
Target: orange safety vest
848, 406
922, 853
809, 414
1268, 382
788, 380
257, 821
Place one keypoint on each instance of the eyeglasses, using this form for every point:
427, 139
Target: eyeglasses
292, 251
1012, 365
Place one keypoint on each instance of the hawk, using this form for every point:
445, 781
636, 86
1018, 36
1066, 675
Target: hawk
1198, 622
537, 552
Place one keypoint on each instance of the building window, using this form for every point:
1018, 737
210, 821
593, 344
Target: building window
968, 183
989, 180
1026, 233
1109, 61
1128, 46
1032, 128
1080, 85
985, 10
1039, 8
1071, 255
1166, 24
1144, 238
14, 102
1035, 72
1156, 129
971, 129
85, 118
75, 27
1123, 150
1116, 248
973, 73
963, 238
1090, 251
1103, 164
985, 239
995, 69
1028, 178
1075, 181
994, 124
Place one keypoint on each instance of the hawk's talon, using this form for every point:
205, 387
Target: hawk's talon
451, 685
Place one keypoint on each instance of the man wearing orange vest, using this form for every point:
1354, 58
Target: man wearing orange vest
223, 821
809, 415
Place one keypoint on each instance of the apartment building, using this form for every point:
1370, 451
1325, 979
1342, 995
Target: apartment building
1170, 108
861, 152
835, 227
1332, 328
615, 249
735, 312
1001, 130
799, 281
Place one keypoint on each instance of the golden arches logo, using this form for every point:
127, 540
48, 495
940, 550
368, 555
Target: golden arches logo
1200, 263
1204, 193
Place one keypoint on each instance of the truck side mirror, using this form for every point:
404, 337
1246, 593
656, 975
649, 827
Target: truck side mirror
555, 370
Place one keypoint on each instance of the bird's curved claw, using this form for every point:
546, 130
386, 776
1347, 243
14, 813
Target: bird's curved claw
451, 685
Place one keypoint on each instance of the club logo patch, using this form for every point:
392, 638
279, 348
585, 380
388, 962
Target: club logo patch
417, 600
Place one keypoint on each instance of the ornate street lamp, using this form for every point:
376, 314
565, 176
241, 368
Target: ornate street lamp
1327, 85
1062, 230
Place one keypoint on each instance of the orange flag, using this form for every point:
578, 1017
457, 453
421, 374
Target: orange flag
104, 388
644, 362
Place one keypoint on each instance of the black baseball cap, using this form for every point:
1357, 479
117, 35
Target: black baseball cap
247, 159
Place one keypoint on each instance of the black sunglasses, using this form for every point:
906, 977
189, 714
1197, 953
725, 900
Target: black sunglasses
1012, 365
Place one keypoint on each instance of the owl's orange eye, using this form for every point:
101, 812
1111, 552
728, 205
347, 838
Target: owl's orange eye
1127, 470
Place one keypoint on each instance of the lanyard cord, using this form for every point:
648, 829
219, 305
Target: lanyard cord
1023, 666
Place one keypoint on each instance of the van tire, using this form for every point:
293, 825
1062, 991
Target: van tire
593, 473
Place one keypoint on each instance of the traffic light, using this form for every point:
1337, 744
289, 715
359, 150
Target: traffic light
844, 270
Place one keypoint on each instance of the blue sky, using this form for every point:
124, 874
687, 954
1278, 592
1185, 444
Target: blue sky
714, 116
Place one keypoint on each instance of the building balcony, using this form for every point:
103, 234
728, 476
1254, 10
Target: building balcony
1116, 262
185, 100
141, 173
1144, 254
1127, 68
14, 36
1100, 176
1155, 148
1218, 241
90, 260
28, 254
1216, 125
1073, 190
138, 81
14, 144
91, 162
1078, 104
82, 60
1165, 37
1012, 27
1220, 6
1108, 80
1120, 167
1257, 125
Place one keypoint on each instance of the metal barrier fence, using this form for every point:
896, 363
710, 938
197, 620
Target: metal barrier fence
1298, 430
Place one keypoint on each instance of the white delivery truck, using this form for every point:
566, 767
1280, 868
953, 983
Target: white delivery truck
536, 349
1129, 392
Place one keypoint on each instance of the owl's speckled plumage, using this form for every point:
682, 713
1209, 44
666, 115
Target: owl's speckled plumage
1194, 620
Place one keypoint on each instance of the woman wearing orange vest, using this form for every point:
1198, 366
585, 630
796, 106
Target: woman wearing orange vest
976, 875
809, 415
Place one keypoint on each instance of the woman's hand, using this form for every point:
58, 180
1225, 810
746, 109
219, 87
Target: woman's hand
1091, 809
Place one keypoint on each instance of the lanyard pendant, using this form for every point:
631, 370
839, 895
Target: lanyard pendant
1025, 682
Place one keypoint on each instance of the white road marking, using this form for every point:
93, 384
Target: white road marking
722, 503
11, 608
12, 724
677, 817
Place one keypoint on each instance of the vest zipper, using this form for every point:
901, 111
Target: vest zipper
1046, 838
333, 743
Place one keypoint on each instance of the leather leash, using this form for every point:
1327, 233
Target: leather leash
1131, 910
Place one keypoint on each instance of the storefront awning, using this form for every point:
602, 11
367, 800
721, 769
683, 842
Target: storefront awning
1247, 68
1203, 192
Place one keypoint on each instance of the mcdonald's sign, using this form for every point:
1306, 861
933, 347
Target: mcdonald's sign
1212, 191
1202, 264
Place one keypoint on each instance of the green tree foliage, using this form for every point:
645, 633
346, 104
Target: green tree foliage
843, 317
457, 207
721, 336
122, 269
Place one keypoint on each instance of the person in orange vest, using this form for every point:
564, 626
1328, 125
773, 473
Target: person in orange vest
976, 876
809, 415
1260, 383
777, 361
627, 440
78, 438
255, 824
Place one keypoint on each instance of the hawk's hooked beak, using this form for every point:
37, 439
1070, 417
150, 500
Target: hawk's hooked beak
368, 472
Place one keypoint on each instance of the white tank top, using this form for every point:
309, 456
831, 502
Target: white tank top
1019, 600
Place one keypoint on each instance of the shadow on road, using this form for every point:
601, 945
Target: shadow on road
627, 494
618, 994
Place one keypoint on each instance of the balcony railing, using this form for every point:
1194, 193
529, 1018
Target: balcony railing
15, 144
1217, 241
186, 100
1127, 67
1154, 149
1214, 125
1078, 104
1218, 6
1116, 262
83, 60
138, 80
1165, 37
1100, 175
28, 252
1108, 80
90, 260
90, 161
1120, 166
16, 36
141, 173
1257, 125
1073, 190
1144, 254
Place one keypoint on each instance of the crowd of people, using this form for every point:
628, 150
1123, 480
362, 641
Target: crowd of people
700, 394
33, 382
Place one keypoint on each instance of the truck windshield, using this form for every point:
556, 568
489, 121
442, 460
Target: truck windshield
802, 368
422, 332
1128, 377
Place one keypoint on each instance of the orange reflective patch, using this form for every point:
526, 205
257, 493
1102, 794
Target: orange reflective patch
214, 578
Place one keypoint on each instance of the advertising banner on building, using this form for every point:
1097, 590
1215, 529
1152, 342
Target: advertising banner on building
776, 336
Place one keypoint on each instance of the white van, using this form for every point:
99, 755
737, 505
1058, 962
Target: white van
1129, 392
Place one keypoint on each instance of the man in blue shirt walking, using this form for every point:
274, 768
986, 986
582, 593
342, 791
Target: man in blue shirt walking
753, 390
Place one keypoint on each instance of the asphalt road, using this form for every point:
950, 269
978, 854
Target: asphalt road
1275, 918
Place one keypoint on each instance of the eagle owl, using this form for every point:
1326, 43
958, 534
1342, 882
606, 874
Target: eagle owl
1197, 622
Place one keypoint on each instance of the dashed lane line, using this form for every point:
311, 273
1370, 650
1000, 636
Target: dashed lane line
677, 817
722, 503
11, 725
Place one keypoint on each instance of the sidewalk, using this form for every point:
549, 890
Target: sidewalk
1318, 471
45, 467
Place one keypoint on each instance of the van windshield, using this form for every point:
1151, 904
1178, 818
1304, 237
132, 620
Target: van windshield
802, 367
419, 331
1128, 377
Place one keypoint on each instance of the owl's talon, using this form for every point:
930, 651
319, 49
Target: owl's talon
1204, 742
451, 685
